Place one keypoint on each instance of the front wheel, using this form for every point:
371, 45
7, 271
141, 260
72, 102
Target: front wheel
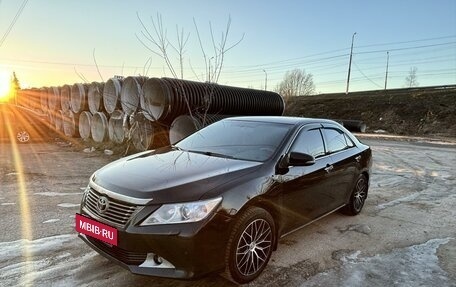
250, 245
358, 197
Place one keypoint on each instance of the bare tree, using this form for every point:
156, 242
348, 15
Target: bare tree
155, 39
296, 83
411, 79
15, 87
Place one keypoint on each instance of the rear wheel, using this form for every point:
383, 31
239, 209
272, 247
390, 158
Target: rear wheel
358, 197
250, 245
22, 136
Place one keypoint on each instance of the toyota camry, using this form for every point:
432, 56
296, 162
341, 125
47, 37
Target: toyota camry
220, 199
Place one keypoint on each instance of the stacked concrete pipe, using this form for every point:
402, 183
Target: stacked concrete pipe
71, 124
65, 97
78, 98
85, 124
44, 99
95, 97
53, 101
165, 99
131, 93
185, 125
142, 131
58, 120
149, 112
111, 95
99, 127
116, 128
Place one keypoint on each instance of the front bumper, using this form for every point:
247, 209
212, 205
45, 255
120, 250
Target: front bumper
189, 250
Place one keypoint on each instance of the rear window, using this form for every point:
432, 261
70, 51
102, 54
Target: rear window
335, 140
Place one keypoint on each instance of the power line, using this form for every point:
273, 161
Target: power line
318, 60
407, 42
407, 48
343, 49
359, 70
18, 14
314, 64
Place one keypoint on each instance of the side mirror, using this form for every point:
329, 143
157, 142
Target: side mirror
300, 159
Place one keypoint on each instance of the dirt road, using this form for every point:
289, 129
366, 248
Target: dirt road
405, 236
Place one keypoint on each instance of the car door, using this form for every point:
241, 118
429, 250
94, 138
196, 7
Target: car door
305, 189
343, 154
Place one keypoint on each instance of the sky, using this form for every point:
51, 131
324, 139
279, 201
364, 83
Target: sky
56, 42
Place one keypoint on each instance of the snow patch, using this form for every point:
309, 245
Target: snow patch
61, 260
48, 193
8, 203
417, 265
45, 245
51, 220
407, 198
351, 257
67, 205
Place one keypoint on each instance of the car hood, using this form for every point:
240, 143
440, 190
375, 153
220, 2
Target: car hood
170, 175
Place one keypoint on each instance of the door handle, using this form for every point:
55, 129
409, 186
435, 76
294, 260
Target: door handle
358, 158
329, 168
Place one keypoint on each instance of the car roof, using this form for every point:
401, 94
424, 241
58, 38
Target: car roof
283, 120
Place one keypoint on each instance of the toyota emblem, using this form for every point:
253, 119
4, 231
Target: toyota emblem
102, 204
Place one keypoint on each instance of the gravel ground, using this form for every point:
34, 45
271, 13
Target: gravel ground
405, 236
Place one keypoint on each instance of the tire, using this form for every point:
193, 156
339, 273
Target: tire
250, 245
358, 197
22, 136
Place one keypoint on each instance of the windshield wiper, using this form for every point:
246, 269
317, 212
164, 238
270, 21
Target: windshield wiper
209, 153
178, 148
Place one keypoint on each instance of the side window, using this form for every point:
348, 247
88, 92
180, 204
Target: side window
309, 142
348, 141
335, 140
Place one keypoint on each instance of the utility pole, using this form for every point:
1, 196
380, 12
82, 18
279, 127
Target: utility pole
387, 62
266, 80
350, 63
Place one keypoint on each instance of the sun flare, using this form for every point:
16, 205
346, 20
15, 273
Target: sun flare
5, 86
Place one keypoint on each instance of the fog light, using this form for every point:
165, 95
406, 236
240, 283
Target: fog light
155, 261
158, 260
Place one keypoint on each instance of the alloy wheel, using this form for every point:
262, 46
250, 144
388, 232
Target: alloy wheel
360, 194
254, 247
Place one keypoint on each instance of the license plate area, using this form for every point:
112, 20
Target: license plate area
95, 229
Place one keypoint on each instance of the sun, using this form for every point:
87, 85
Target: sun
5, 86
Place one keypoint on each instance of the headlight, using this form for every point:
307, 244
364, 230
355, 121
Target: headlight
182, 212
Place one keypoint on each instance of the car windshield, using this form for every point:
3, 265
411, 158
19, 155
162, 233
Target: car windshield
246, 140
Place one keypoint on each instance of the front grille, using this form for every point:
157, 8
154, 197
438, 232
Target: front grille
127, 257
118, 212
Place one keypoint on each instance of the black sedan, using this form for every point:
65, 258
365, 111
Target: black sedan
219, 200
21, 124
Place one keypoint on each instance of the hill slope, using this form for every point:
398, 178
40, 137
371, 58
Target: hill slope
416, 111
